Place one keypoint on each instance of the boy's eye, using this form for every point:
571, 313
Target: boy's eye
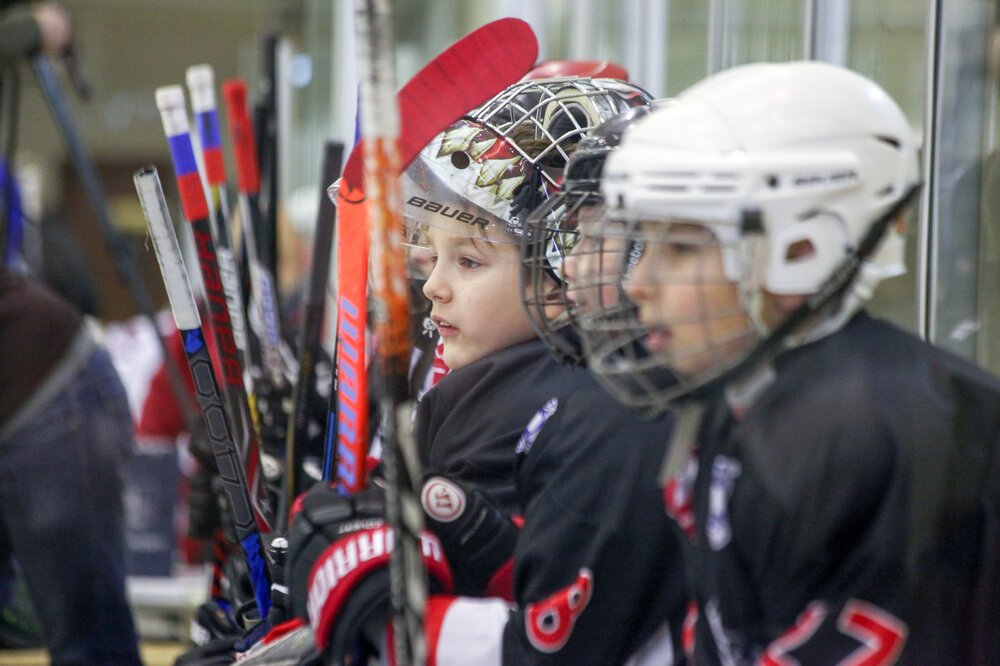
468, 262
683, 248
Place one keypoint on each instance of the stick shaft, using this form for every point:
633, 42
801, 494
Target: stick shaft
185, 311
174, 115
262, 282
312, 320
382, 168
201, 85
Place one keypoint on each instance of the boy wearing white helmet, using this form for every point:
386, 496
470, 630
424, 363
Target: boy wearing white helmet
836, 478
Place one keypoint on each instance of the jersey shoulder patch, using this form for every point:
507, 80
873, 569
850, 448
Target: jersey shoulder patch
534, 426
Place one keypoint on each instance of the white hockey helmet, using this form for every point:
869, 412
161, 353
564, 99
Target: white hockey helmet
818, 151
790, 166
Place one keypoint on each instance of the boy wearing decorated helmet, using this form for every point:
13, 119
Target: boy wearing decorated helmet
512, 437
835, 477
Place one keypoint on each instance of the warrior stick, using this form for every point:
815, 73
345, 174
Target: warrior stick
121, 255
461, 77
182, 303
170, 101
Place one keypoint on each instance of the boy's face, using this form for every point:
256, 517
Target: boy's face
591, 269
475, 294
694, 314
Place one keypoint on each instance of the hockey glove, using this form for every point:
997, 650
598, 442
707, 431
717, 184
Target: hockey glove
477, 538
343, 590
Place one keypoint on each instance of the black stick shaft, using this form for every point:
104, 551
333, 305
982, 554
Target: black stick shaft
312, 322
188, 321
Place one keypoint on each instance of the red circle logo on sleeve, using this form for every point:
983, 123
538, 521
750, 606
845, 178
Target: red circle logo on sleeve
442, 500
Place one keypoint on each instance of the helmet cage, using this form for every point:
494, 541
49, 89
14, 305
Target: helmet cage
615, 340
558, 112
553, 230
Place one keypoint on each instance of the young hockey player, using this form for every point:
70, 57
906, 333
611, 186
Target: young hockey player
594, 576
840, 491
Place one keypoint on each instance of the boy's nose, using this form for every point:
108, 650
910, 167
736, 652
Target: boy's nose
435, 288
569, 268
637, 286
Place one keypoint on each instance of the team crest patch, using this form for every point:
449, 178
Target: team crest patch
443, 500
535, 426
725, 470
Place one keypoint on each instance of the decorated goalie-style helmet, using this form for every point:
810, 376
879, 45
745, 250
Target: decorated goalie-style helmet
559, 221
795, 172
487, 172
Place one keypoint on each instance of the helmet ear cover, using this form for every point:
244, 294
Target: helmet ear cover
805, 253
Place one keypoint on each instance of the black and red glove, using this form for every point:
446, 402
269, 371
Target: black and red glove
342, 586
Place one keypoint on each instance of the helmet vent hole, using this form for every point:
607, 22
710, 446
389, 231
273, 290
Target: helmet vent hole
460, 159
751, 222
773, 181
799, 250
889, 140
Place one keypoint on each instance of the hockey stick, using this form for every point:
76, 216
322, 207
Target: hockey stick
201, 85
182, 303
265, 297
121, 255
464, 75
266, 119
312, 322
170, 101
382, 169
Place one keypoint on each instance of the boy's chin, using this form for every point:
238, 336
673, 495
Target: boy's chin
458, 356
454, 358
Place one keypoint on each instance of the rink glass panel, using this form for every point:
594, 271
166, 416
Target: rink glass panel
932, 56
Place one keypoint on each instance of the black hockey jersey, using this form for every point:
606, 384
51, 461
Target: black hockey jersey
468, 425
598, 577
853, 514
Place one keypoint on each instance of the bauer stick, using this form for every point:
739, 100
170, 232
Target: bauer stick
182, 304
201, 85
265, 295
